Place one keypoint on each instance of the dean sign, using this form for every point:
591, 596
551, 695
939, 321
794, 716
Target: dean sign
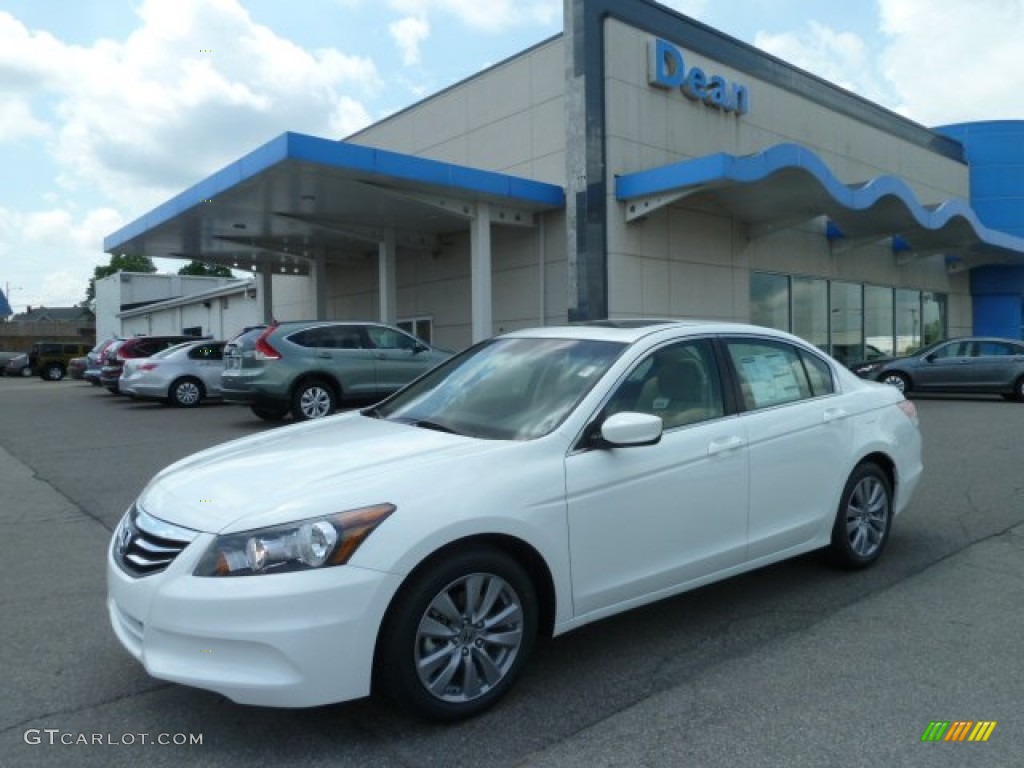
666, 68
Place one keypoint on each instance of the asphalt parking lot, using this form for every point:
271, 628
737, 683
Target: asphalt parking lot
795, 665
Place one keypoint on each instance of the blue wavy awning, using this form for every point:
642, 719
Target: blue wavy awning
788, 183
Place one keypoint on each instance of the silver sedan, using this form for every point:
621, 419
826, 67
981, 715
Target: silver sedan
182, 375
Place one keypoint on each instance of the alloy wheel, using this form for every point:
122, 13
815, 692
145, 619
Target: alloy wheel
469, 637
867, 516
315, 402
186, 393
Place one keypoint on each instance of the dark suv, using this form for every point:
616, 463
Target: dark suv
139, 346
49, 359
308, 368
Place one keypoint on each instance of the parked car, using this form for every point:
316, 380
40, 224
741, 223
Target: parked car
47, 359
76, 367
5, 358
138, 346
974, 364
534, 483
94, 361
182, 375
17, 365
309, 368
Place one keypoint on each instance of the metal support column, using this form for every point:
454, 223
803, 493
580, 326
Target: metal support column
480, 272
387, 280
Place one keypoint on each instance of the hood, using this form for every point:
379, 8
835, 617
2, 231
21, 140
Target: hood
302, 471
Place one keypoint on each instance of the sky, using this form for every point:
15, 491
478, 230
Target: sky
110, 107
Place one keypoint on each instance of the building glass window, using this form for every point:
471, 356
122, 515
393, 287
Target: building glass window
908, 321
933, 310
810, 310
420, 327
769, 300
878, 322
847, 327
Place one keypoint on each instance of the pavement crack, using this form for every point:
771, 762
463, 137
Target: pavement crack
85, 708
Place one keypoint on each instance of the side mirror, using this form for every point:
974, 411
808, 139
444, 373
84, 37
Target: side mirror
626, 429
418, 347
929, 358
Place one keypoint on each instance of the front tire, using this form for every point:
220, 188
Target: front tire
864, 518
457, 635
186, 393
896, 379
313, 400
1018, 390
53, 372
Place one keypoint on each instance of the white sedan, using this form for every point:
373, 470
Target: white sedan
536, 482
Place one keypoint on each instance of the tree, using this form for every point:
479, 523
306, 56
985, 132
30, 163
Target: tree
202, 269
119, 262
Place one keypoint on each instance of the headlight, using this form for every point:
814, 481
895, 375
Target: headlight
319, 542
866, 370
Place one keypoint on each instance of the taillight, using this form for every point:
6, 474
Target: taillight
909, 409
263, 349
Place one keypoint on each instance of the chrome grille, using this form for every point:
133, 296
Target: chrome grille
144, 545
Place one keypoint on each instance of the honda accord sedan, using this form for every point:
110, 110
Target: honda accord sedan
969, 364
535, 483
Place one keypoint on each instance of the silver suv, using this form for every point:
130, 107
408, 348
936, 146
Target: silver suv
309, 368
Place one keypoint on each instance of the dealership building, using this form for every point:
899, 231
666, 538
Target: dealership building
640, 164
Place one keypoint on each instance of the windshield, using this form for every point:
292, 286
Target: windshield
504, 389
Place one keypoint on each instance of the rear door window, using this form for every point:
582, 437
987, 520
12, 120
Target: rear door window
773, 373
312, 337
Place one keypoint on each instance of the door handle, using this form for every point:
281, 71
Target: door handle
325, 355
724, 445
833, 414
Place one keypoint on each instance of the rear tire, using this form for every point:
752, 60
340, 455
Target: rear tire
313, 399
53, 372
457, 635
864, 518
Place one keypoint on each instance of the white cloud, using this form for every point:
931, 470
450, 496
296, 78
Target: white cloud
69, 244
17, 120
195, 85
952, 61
842, 58
493, 16
408, 33
61, 289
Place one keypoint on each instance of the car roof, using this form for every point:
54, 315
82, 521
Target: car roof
630, 330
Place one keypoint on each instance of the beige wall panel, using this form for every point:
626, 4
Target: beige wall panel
440, 119
548, 128
510, 138
500, 92
508, 116
702, 291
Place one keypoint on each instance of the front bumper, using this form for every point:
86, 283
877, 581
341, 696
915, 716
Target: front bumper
284, 640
